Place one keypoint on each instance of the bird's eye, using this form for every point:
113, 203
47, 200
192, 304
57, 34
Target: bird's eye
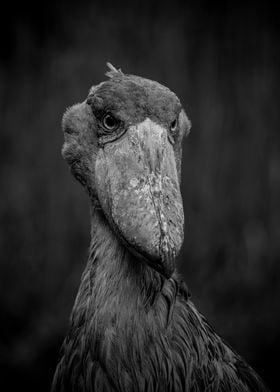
109, 122
173, 125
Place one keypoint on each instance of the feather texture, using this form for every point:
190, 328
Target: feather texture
122, 338
113, 71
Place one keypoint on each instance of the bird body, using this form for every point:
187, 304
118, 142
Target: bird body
133, 326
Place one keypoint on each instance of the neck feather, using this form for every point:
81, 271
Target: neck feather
114, 280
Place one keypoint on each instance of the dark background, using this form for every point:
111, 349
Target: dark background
223, 62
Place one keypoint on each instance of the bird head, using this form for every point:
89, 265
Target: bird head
124, 144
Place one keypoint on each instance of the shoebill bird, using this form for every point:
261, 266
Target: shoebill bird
133, 326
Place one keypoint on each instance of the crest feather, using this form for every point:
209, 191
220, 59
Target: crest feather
113, 71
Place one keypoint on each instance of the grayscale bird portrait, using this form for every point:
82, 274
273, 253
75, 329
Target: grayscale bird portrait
140, 197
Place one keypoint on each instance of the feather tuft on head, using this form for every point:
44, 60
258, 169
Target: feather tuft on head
113, 71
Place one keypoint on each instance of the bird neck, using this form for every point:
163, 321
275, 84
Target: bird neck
114, 280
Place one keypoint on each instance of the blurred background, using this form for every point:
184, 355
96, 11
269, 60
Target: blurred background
222, 60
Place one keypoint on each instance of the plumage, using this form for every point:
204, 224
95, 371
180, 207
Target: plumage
133, 326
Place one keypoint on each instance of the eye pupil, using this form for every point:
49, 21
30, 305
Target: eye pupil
109, 122
173, 125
